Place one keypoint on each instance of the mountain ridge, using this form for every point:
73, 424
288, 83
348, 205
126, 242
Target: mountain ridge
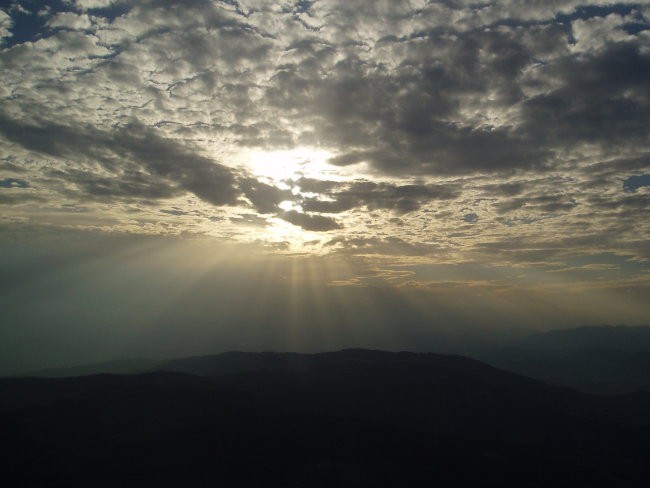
354, 417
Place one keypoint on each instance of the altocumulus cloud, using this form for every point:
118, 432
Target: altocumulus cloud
531, 115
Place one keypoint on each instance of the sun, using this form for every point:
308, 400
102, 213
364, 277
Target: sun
283, 169
281, 166
280, 231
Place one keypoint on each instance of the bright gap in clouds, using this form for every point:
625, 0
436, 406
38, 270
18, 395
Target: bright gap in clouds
290, 164
282, 168
296, 238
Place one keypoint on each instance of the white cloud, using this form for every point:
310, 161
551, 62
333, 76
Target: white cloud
69, 20
89, 4
6, 23
595, 33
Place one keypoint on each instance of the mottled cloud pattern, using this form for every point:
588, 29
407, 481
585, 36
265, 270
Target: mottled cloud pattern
504, 132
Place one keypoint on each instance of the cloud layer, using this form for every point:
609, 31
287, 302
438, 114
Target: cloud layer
506, 130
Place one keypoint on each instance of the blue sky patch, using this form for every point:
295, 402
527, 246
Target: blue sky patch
633, 183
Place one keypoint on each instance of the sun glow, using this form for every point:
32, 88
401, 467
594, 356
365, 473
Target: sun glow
283, 169
280, 166
296, 239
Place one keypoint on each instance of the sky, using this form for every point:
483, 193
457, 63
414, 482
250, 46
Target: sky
199, 176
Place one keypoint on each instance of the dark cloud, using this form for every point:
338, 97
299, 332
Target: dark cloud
505, 189
541, 203
18, 198
601, 98
139, 162
406, 120
13, 167
379, 196
315, 223
176, 212
413, 118
130, 184
265, 198
510, 205
632, 202
313, 185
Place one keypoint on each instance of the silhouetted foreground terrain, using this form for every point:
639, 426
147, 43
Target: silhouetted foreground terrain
352, 418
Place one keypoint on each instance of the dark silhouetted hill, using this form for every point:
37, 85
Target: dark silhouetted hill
352, 418
126, 366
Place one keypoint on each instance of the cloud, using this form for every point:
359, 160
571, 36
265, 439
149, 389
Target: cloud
265, 198
315, 223
134, 161
388, 246
617, 78
530, 115
505, 189
69, 20
542, 203
374, 196
464, 101
90, 4
18, 198
5, 26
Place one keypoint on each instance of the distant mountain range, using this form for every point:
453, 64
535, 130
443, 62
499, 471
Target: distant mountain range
620, 337
605, 359
595, 359
348, 418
